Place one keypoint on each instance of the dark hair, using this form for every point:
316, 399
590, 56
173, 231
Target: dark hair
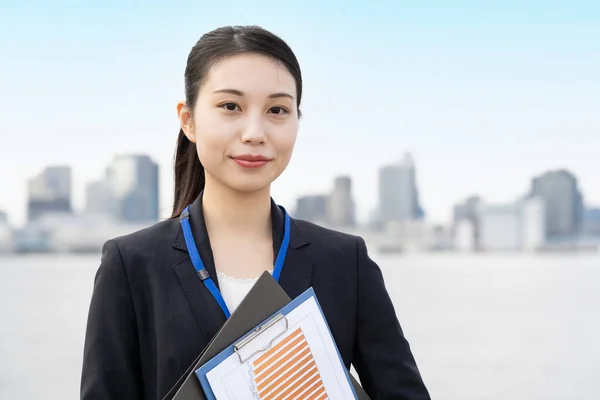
212, 47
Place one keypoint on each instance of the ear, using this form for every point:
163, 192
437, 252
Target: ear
186, 121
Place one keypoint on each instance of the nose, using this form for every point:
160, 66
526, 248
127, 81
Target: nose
254, 131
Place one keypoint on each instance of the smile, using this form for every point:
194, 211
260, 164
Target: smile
250, 161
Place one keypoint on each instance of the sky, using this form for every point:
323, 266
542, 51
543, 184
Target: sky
485, 95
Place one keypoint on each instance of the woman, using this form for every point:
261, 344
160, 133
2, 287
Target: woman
152, 312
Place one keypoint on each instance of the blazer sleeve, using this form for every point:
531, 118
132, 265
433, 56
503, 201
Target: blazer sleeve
111, 361
383, 359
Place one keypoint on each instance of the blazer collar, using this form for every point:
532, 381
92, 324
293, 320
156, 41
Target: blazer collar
297, 237
295, 277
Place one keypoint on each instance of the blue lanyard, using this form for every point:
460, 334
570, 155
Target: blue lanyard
203, 273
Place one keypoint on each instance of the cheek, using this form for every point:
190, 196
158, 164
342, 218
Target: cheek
212, 140
285, 140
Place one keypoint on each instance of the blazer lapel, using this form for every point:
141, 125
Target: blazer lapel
295, 276
297, 269
205, 308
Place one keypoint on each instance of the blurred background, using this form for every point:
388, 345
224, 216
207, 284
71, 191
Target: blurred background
461, 139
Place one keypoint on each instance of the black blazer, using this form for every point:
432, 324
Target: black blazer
150, 315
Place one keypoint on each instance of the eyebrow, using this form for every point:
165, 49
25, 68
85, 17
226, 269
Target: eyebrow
241, 94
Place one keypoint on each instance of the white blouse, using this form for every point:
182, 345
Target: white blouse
234, 290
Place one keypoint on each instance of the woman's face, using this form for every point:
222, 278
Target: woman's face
245, 122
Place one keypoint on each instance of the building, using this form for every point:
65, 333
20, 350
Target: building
69, 233
532, 223
520, 226
499, 227
5, 233
133, 183
49, 193
563, 202
468, 212
341, 210
3, 218
398, 193
464, 236
312, 208
99, 198
591, 222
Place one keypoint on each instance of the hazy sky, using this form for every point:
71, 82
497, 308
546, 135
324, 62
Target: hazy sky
484, 95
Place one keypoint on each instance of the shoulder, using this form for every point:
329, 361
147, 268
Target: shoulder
316, 232
156, 233
147, 242
327, 240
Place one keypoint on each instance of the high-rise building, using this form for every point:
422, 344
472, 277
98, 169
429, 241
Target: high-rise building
563, 202
49, 192
340, 204
398, 192
312, 208
133, 184
99, 198
591, 222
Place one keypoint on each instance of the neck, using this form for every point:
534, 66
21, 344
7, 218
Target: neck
236, 213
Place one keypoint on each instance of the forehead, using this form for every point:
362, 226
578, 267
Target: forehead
250, 73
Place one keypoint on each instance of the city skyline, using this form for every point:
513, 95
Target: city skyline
550, 216
344, 181
482, 94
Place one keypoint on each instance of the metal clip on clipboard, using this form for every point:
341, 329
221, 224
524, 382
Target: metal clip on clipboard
237, 347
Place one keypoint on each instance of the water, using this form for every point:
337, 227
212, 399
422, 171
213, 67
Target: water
481, 327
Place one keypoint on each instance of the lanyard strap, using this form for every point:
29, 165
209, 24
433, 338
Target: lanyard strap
203, 272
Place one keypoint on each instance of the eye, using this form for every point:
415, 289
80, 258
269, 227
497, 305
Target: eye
278, 110
229, 106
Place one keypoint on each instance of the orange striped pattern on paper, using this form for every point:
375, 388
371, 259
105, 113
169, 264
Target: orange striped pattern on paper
288, 371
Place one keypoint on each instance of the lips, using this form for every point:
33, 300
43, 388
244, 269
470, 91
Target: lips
250, 161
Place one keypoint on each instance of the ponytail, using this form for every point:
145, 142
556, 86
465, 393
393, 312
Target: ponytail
189, 175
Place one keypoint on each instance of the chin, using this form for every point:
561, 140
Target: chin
250, 185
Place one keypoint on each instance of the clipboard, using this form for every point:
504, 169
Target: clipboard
240, 346
265, 298
291, 353
263, 301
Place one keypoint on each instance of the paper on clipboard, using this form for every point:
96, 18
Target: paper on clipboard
292, 355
